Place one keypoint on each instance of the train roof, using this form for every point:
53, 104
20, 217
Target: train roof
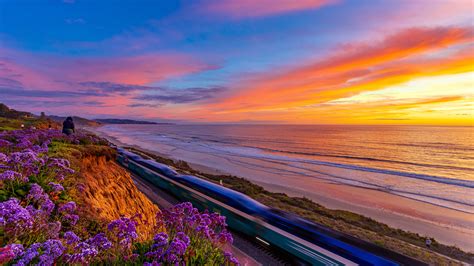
129, 154
349, 242
227, 192
162, 167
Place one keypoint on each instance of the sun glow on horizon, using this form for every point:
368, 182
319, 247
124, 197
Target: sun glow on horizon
447, 99
234, 61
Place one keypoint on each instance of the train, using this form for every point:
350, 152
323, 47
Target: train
309, 242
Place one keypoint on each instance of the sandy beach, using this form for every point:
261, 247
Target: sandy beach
447, 226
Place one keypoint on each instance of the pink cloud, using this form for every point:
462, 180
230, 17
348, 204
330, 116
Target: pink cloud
252, 8
52, 72
141, 70
45, 82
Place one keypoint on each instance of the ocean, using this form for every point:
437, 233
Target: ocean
430, 164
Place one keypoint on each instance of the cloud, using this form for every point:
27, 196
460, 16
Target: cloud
48, 72
111, 87
8, 82
182, 95
397, 58
93, 103
47, 104
29, 93
135, 105
139, 70
260, 8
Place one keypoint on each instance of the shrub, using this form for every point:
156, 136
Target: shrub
38, 220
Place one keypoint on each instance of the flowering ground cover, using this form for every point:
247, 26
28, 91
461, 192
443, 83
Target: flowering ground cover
41, 223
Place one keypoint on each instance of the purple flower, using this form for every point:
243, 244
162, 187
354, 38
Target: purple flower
37, 194
27, 161
59, 163
17, 249
47, 206
170, 258
9, 175
71, 218
177, 247
71, 238
234, 260
6, 255
3, 158
124, 229
84, 256
68, 207
153, 263
60, 167
24, 143
159, 247
183, 237
161, 239
4, 143
80, 187
53, 229
99, 242
10, 252
31, 253
52, 249
225, 237
56, 187
38, 149
208, 227
204, 230
230, 258
218, 220
14, 218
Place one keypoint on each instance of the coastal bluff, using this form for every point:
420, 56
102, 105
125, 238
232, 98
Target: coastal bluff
110, 193
103, 189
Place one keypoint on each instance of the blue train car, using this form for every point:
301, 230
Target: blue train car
241, 212
158, 167
304, 239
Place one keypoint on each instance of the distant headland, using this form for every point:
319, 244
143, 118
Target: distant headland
126, 121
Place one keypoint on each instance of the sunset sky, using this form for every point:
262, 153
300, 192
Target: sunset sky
244, 61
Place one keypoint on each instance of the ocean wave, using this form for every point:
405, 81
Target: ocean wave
448, 167
239, 151
258, 153
213, 139
461, 204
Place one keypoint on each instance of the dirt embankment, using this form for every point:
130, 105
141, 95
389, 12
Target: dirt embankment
110, 193
103, 190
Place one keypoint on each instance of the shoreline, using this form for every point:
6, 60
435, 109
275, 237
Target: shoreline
425, 219
442, 232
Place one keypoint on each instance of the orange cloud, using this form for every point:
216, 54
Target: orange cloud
252, 8
411, 112
363, 67
396, 112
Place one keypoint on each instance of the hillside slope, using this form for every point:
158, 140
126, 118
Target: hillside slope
105, 190
110, 193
